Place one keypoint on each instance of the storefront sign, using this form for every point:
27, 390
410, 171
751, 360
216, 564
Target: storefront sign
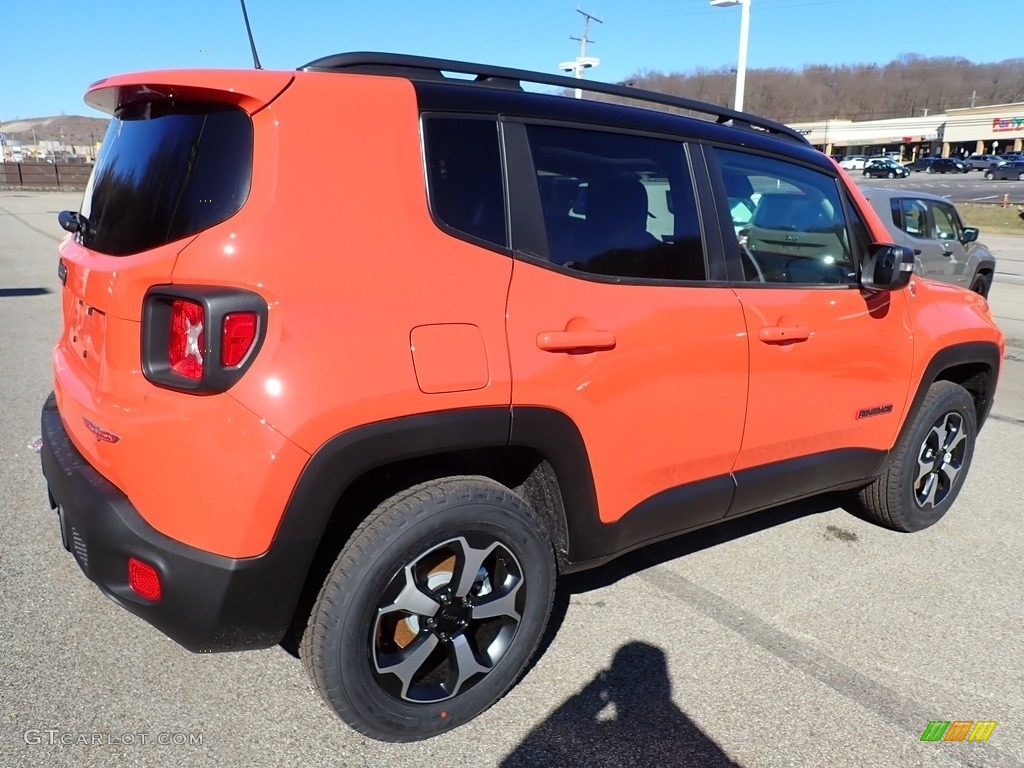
1008, 124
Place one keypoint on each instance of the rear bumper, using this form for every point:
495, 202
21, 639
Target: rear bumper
209, 602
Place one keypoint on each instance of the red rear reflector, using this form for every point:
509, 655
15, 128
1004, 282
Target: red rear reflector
238, 337
143, 578
188, 340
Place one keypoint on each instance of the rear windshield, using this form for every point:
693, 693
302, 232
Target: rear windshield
166, 170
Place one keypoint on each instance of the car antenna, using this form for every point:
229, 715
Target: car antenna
252, 43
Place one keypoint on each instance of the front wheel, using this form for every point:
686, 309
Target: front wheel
892, 175
928, 466
981, 284
989, 175
432, 610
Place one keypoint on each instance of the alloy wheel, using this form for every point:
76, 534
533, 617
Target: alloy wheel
940, 460
446, 619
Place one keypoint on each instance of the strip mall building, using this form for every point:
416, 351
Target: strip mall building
957, 132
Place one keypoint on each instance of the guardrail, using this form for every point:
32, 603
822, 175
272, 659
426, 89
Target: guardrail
44, 175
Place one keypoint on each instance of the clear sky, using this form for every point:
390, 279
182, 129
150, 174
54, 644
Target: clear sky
50, 53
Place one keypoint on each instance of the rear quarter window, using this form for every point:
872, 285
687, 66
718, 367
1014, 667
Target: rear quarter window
464, 176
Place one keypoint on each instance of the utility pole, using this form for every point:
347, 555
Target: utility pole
582, 62
974, 97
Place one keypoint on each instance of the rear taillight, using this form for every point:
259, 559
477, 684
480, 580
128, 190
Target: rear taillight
239, 333
200, 339
188, 339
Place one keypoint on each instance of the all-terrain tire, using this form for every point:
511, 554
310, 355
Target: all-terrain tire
929, 465
433, 609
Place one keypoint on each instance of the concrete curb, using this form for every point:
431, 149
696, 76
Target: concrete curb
1006, 277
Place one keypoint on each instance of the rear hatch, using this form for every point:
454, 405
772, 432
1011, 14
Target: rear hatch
177, 159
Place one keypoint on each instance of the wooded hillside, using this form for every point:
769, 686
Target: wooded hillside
908, 86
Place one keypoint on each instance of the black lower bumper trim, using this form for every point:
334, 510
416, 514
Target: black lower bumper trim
209, 603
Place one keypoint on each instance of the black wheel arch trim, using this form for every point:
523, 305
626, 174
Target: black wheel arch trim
985, 353
346, 457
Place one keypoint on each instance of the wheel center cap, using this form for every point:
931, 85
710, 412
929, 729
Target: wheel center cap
451, 618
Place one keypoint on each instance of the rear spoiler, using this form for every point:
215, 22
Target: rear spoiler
248, 89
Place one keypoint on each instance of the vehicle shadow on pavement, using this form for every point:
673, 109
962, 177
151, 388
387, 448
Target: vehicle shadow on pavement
11, 293
624, 716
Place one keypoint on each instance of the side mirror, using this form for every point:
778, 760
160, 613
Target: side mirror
970, 234
69, 221
887, 268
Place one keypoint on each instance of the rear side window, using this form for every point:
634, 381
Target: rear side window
167, 170
464, 176
617, 205
911, 216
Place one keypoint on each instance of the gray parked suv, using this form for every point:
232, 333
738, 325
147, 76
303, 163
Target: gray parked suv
983, 162
946, 249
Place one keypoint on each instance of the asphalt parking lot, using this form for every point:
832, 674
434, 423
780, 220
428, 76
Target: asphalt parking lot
970, 187
802, 637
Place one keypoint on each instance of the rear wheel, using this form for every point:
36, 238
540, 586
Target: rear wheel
432, 610
989, 175
928, 467
892, 175
1020, 177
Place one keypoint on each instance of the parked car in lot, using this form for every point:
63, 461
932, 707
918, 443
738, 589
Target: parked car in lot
921, 163
887, 156
853, 162
1011, 170
983, 162
946, 249
278, 414
888, 169
947, 165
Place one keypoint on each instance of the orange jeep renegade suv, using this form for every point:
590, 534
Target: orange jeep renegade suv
492, 336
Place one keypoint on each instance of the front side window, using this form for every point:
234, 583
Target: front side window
464, 176
789, 221
947, 223
167, 170
617, 205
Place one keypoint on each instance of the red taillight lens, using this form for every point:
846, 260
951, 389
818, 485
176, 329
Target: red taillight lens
143, 578
238, 337
201, 339
188, 340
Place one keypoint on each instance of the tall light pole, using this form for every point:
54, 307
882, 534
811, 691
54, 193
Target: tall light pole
741, 64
